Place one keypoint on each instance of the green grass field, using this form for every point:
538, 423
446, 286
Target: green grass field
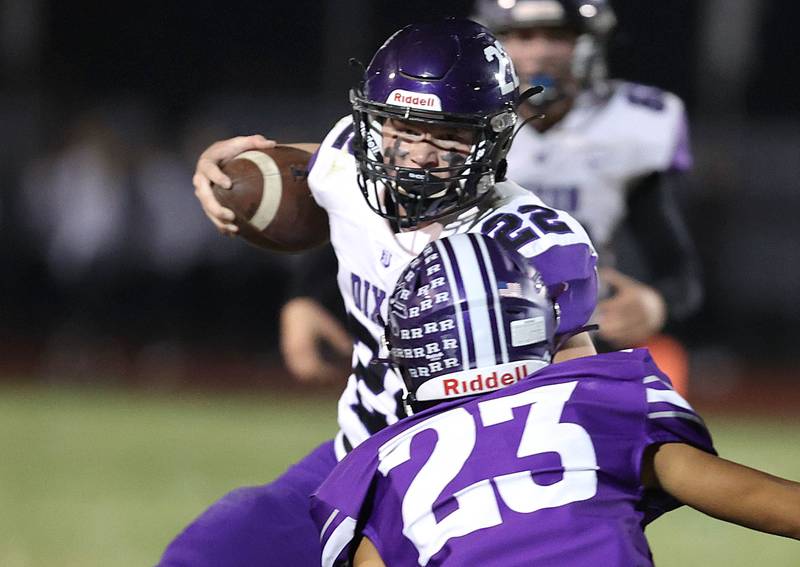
107, 478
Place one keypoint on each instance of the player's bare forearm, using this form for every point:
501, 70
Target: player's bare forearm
729, 491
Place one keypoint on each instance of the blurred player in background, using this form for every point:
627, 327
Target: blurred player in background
508, 460
315, 343
612, 153
422, 157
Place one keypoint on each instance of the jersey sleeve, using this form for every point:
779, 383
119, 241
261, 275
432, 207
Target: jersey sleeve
338, 503
669, 418
682, 159
328, 158
657, 126
558, 248
570, 273
668, 255
337, 531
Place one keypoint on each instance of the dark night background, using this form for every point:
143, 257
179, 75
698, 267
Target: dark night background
153, 83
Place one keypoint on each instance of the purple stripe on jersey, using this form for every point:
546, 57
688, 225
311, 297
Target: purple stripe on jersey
313, 160
460, 287
682, 159
490, 291
341, 139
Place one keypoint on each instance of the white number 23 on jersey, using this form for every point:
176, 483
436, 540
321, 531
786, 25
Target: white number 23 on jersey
477, 505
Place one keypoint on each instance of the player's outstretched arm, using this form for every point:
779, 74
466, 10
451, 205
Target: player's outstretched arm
727, 490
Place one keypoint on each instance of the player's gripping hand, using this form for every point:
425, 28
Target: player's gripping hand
633, 314
315, 346
208, 171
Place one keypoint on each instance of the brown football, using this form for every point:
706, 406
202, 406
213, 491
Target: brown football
271, 200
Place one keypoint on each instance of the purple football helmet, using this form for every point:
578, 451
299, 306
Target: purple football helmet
468, 316
452, 73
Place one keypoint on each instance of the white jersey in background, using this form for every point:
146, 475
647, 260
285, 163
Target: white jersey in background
371, 257
585, 163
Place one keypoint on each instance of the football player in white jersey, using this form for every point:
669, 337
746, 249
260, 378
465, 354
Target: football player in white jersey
609, 152
421, 157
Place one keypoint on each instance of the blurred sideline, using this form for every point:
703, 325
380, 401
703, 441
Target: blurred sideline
718, 383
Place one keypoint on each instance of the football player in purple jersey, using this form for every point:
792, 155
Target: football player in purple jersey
421, 157
506, 459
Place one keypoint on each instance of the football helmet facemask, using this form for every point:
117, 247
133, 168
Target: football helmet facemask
448, 74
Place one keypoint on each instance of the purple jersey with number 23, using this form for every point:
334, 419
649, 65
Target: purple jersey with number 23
544, 472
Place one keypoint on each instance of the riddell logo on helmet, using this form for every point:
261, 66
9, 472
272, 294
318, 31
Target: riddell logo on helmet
481, 383
399, 97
